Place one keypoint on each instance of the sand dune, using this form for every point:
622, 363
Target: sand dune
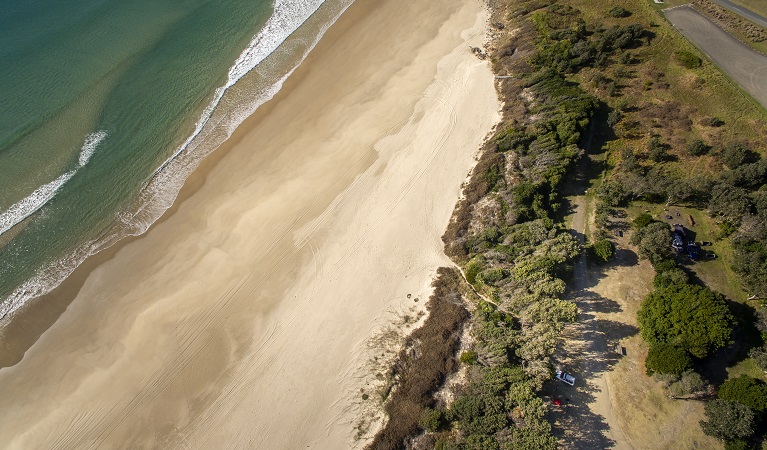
240, 321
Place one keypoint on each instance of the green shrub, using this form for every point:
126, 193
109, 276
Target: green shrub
473, 268
687, 59
712, 122
666, 358
432, 419
697, 148
746, 390
603, 250
673, 277
736, 154
469, 357
690, 317
736, 445
642, 221
618, 12
727, 420
654, 242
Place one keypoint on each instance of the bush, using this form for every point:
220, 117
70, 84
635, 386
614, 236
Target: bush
657, 150
697, 148
618, 12
690, 317
712, 122
687, 59
736, 445
469, 357
735, 155
665, 358
642, 221
673, 277
432, 419
654, 242
603, 249
689, 383
746, 390
727, 420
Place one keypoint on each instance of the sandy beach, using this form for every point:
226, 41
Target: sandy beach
241, 319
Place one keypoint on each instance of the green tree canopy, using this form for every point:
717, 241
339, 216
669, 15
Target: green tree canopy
665, 358
654, 242
691, 317
728, 420
746, 390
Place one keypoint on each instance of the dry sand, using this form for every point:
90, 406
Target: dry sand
241, 320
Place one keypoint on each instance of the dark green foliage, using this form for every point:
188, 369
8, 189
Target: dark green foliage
746, 390
432, 419
642, 221
603, 250
657, 149
618, 12
729, 202
614, 117
759, 354
697, 148
611, 193
673, 277
654, 242
736, 445
666, 358
728, 420
747, 175
736, 154
690, 317
473, 268
687, 59
712, 122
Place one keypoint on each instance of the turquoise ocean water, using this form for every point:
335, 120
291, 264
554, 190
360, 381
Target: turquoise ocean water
106, 106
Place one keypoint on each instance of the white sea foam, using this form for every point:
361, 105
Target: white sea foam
33, 202
42, 195
91, 142
288, 15
163, 187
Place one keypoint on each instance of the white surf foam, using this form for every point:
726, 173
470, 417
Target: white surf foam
42, 195
91, 142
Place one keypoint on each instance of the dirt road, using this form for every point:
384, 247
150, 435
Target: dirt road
588, 420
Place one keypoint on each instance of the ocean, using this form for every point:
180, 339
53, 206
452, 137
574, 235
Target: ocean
107, 106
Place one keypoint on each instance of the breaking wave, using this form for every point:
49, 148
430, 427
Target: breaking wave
42, 195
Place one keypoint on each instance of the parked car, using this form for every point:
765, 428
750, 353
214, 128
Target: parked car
565, 377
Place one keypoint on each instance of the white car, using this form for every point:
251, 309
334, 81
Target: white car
565, 377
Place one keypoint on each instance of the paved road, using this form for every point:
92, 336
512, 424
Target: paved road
743, 64
743, 12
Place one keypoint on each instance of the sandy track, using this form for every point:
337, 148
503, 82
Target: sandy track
746, 66
241, 320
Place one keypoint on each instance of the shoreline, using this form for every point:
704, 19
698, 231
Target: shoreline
112, 337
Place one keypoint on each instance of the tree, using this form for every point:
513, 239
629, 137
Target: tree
746, 390
665, 358
690, 317
735, 155
729, 202
654, 242
697, 148
728, 420
657, 150
603, 249
671, 277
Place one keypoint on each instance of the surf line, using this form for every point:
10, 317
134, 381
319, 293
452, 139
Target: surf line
42, 195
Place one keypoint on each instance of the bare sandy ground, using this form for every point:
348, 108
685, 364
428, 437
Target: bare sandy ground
241, 320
